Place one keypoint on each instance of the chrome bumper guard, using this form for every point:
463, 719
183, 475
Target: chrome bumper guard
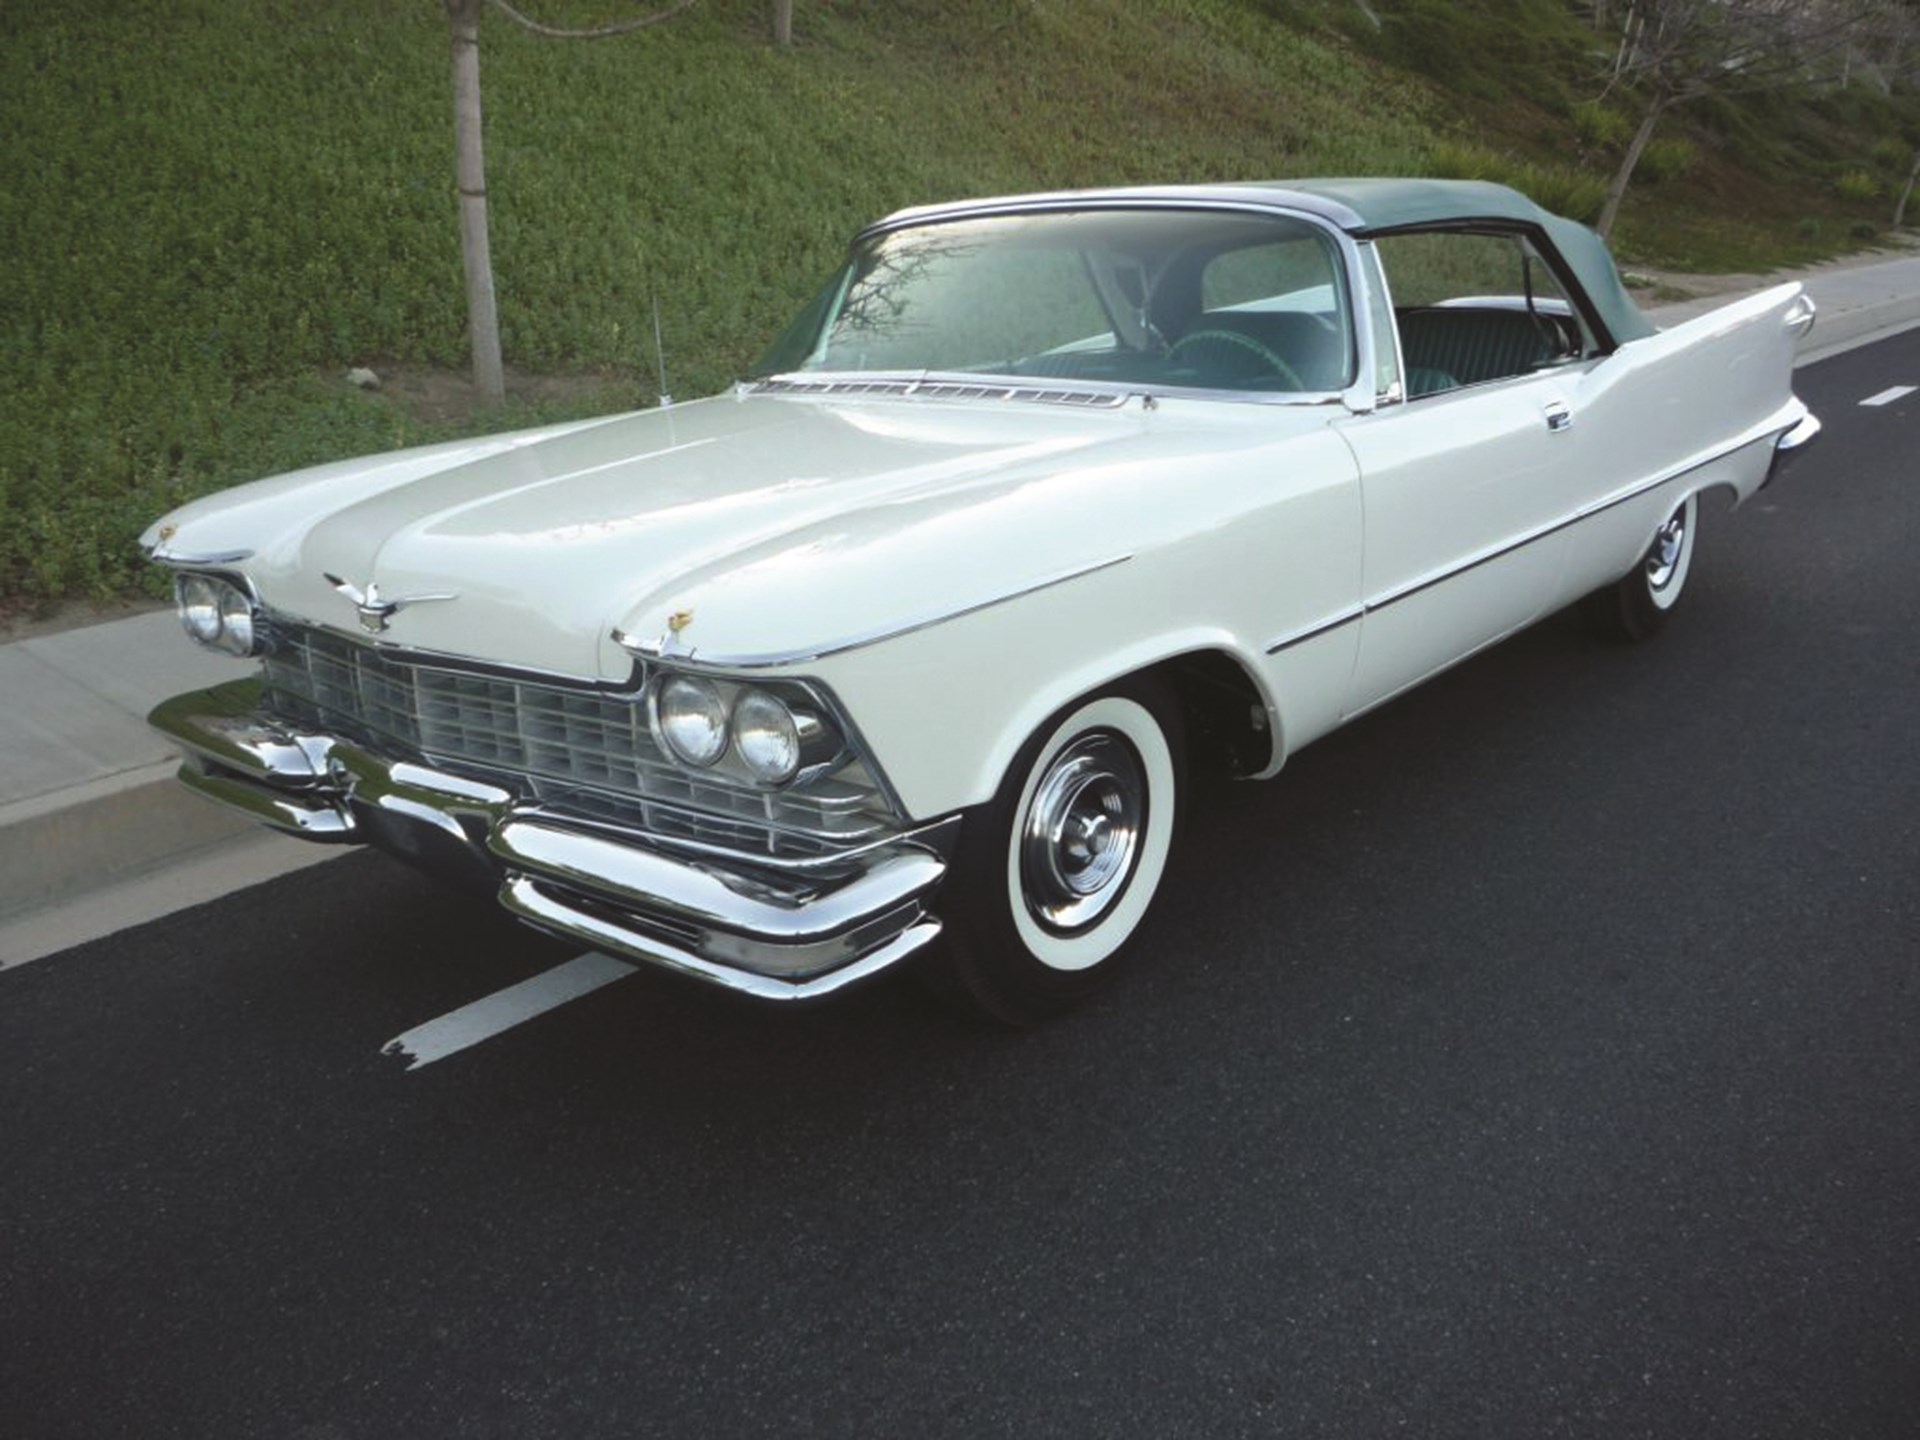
779, 933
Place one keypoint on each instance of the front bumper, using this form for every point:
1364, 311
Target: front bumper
781, 933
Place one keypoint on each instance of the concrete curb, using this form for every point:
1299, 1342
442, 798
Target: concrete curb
93, 833
91, 812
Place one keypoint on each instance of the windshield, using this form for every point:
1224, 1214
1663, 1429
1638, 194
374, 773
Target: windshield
1210, 300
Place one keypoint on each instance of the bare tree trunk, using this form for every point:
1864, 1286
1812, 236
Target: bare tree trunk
1906, 193
470, 175
1617, 187
783, 22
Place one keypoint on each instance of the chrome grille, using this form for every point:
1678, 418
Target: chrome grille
573, 749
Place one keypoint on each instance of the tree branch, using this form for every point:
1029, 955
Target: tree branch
598, 32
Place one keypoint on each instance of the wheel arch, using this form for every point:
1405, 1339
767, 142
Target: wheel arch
1234, 722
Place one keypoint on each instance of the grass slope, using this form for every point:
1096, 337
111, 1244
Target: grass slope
210, 208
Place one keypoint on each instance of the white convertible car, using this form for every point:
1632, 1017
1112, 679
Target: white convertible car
915, 636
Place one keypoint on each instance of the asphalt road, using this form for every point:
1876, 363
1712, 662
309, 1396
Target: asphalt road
1539, 1056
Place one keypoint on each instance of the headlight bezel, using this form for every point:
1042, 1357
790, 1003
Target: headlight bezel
820, 743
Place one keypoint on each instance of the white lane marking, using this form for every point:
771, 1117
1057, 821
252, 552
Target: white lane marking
504, 1009
1887, 397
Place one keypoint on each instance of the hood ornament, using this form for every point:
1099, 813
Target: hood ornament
375, 613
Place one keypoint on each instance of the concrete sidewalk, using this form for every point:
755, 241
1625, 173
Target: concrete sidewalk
95, 833
88, 799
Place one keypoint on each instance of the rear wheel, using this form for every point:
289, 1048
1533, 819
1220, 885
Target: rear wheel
1637, 605
1056, 873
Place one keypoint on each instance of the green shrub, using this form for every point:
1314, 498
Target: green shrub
1600, 128
1863, 230
1665, 160
1565, 192
1857, 187
1892, 154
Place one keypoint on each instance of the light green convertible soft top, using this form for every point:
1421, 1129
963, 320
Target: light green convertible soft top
1366, 207
1385, 205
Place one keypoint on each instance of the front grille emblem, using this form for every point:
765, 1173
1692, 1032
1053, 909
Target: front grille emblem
375, 613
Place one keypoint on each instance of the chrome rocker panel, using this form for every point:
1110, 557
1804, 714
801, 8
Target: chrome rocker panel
775, 932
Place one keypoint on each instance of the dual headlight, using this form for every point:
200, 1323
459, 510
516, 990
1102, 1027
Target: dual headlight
217, 613
772, 737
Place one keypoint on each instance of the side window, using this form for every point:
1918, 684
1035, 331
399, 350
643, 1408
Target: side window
1476, 306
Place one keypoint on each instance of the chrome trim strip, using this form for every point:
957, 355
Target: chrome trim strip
1317, 629
440, 660
936, 836
1634, 492
1428, 582
525, 899
907, 385
162, 556
654, 884
658, 648
1294, 204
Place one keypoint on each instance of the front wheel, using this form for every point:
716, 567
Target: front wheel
1637, 605
1056, 873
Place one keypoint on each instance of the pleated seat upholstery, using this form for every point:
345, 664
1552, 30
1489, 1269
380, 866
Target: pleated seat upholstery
1469, 346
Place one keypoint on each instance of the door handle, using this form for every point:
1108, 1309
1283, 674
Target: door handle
1559, 417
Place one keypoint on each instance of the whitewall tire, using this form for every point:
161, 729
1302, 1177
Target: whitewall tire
1638, 604
1056, 874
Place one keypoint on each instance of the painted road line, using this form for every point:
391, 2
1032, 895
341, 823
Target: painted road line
1887, 397
504, 1009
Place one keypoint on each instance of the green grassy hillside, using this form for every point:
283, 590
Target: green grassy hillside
209, 209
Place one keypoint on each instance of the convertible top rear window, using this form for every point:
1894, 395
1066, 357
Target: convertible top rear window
1172, 299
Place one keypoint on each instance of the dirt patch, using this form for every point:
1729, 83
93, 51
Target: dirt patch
1675, 285
429, 396
21, 620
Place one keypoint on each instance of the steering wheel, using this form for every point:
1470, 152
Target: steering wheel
1233, 339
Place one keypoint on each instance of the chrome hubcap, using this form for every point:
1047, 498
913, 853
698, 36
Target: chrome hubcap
1081, 834
1664, 557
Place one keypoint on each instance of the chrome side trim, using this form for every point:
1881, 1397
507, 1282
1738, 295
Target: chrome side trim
660, 647
1317, 629
1586, 512
1787, 440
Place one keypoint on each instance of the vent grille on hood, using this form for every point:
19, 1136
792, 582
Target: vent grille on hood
945, 390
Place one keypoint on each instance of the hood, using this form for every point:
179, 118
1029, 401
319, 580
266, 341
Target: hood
779, 522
